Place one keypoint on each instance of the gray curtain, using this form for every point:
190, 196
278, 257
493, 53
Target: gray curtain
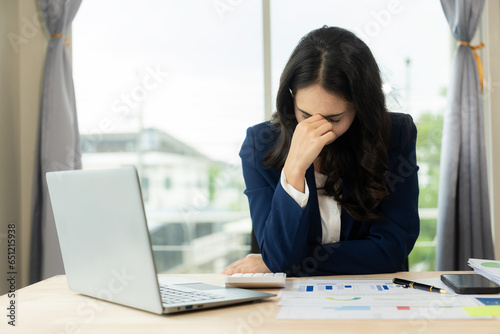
58, 137
464, 221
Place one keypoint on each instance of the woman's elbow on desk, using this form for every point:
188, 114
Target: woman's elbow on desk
292, 262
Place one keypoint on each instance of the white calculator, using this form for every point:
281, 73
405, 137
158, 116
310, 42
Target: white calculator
256, 280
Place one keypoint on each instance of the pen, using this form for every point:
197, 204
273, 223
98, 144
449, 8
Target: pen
419, 286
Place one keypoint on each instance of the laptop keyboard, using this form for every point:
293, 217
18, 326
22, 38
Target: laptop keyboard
171, 295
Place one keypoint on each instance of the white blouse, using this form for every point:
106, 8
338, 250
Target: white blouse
329, 209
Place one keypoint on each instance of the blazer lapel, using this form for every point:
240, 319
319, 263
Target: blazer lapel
346, 220
315, 230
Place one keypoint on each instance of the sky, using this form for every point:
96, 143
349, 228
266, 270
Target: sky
194, 68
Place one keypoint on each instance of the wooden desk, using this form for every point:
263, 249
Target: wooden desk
49, 307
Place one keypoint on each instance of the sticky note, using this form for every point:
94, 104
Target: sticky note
483, 311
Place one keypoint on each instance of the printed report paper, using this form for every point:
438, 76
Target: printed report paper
376, 299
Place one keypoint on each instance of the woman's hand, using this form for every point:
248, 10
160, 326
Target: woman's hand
252, 263
309, 138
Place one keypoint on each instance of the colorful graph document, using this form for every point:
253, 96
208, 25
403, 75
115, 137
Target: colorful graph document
487, 268
379, 299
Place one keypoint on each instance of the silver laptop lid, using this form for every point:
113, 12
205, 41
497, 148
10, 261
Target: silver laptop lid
104, 237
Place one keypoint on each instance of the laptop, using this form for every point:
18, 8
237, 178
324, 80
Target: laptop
106, 247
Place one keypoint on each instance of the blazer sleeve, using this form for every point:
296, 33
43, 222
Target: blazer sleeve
284, 230
387, 243
279, 223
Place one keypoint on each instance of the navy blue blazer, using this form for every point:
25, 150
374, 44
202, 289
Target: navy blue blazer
290, 237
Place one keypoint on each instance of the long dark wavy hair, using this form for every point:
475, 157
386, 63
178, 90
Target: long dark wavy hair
344, 65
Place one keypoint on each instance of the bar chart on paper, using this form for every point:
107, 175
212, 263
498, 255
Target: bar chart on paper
374, 299
347, 288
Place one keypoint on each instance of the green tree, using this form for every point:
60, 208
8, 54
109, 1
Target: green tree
213, 173
430, 128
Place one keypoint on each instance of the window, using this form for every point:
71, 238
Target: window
171, 87
411, 43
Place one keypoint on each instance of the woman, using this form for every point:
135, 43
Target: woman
332, 179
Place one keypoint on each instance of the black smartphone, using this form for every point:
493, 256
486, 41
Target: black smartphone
470, 284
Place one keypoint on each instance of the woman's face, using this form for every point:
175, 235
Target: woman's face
314, 100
